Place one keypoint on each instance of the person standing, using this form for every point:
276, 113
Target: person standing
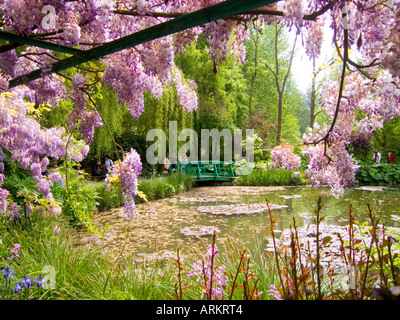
167, 165
183, 160
109, 163
390, 158
377, 157
96, 168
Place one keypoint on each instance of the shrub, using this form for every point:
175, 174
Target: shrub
79, 202
106, 199
384, 173
268, 177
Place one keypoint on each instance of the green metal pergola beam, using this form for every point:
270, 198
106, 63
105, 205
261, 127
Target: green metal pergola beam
190, 20
39, 43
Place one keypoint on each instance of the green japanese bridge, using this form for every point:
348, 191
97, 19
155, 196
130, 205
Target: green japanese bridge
208, 170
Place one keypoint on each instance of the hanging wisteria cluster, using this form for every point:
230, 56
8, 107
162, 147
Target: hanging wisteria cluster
371, 86
125, 175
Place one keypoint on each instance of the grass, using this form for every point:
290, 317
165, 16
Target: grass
155, 187
81, 273
90, 273
269, 177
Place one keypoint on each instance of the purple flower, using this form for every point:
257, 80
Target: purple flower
56, 229
3, 200
207, 270
29, 209
44, 188
8, 272
26, 281
39, 280
79, 80
127, 172
274, 292
18, 288
14, 251
13, 212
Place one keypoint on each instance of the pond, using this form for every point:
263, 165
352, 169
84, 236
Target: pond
158, 228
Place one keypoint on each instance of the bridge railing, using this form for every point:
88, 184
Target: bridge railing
208, 170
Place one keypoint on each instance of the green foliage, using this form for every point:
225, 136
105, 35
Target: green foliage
383, 173
387, 139
157, 187
20, 187
221, 94
79, 201
56, 117
112, 114
106, 199
270, 177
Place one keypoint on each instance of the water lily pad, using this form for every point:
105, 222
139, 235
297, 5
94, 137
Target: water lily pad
395, 217
237, 209
291, 197
330, 244
372, 188
199, 231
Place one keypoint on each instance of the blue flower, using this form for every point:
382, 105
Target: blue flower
8, 272
39, 280
17, 288
22, 282
27, 282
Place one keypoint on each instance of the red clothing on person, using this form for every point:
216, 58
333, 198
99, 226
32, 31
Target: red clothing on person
390, 157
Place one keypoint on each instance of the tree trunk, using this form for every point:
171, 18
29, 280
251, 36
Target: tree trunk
253, 77
312, 106
281, 87
279, 129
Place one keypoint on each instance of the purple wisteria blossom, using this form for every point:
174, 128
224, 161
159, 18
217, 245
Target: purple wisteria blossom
127, 173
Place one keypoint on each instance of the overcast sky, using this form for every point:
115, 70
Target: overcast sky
302, 64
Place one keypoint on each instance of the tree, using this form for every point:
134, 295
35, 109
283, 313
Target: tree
263, 93
220, 94
280, 76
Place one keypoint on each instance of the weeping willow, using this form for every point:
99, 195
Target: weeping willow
112, 114
159, 112
120, 129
